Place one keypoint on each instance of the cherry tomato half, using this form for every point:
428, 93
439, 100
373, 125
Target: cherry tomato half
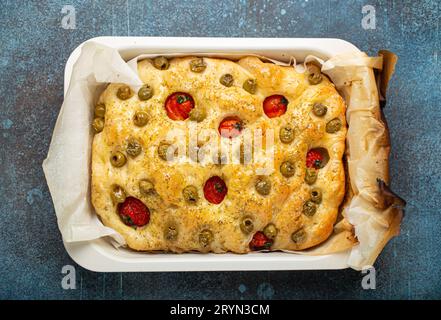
231, 127
215, 190
260, 242
133, 212
314, 159
275, 106
178, 105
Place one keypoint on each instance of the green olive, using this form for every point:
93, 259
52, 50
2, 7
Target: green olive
140, 118
145, 92
100, 110
298, 236
310, 175
263, 186
118, 194
286, 134
190, 194
227, 80
247, 225
270, 231
316, 195
161, 63
287, 169
98, 124
333, 126
205, 237
146, 187
197, 115
315, 78
198, 65
162, 150
124, 92
319, 109
309, 208
134, 148
118, 159
250, 86
171, 232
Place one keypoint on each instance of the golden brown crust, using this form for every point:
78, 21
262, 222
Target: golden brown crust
283, 206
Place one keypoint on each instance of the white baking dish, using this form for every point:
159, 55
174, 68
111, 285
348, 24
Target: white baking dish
100, 255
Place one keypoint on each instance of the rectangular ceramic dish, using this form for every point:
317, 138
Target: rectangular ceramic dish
100, 255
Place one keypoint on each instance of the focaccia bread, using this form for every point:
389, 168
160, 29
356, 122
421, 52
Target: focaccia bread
162, 189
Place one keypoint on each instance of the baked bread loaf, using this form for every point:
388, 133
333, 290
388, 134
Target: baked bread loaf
163, 189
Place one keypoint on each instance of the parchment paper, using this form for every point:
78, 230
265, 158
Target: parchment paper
371, 213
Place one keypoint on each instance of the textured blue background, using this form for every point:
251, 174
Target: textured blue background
33, 52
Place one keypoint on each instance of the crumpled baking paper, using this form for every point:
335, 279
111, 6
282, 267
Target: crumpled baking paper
371, 213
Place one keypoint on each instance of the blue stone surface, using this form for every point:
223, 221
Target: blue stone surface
33, 51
